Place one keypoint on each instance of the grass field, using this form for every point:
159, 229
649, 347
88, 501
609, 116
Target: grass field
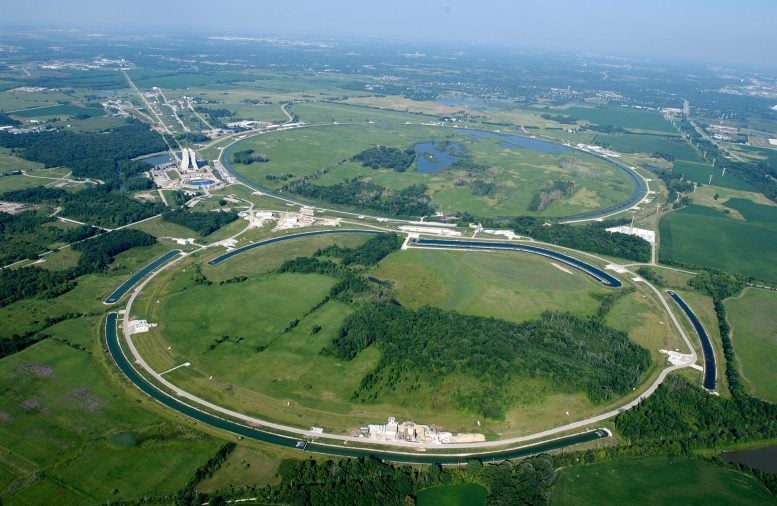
753, 316
635, 143
700, 172
656, 480
518, 173
59, 110
624, 117
464, 494
60, 416
704, 236
269, 369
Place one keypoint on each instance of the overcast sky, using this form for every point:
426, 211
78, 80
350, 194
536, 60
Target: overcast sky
726, 31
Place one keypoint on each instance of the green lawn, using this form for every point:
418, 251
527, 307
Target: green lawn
707, 237
753, 316
464, 494
656, 480
59, 110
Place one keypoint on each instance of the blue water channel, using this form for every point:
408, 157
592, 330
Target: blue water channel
599, 275
114, 348
127, 285
706, 345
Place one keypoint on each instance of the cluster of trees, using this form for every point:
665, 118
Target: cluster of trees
652, 276
551, 193
96, 255
7, 120
29, 233
482, 188
369, 481
587, 237
680, 417
88, 154
369, 253
202, 223
16, 343
385, 157
675, 184
213, 464
99, 205
560, 118
430, 344
358, 193
248, 156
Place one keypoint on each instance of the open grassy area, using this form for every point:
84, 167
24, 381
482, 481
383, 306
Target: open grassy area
656, 480
701, 172
271, 368
704, 236
636, 143
464, 494
753, 317
59, 415
624, 117
516, 173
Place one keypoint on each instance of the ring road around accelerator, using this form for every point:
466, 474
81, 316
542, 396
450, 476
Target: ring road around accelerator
639, 184
288, 436
290, 441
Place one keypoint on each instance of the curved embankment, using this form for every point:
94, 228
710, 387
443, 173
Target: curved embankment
706, 345
228, 255
639, 192
124, 364
599, 275
127, 285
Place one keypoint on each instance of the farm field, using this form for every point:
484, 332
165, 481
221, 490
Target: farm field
656, 480
515, 174
706, 237
624, 117
636, 143
58, 111
700, 172
752, 318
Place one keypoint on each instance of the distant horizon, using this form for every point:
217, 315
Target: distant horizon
413, 44
703, 31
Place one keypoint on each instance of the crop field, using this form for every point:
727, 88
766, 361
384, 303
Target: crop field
701, 172
255, 345
463, 494
707, 237
754, 322
656, 480
516, 174
59, 110
636, 143
624, 117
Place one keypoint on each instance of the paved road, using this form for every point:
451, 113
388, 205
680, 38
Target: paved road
640, 186
117, 294
251, 429
472, 447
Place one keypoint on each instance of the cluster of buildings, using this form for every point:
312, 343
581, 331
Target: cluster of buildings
415, 433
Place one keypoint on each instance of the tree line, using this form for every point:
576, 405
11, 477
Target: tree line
386, 157
204, 223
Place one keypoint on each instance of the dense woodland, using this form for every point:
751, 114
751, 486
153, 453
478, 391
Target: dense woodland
430, 344
387, 158
409, 202
589, 237
204, 223
99, 205
96, 254
248, 156
370, 253
89, 155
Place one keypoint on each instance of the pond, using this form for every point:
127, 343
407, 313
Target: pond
764, 459
511, 141
434, 156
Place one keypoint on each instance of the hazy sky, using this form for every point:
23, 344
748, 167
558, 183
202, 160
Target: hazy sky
709, 30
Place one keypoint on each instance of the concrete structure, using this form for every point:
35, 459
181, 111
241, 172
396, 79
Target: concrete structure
645, 234
184, 160
412, 432
139, 326
431, 230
